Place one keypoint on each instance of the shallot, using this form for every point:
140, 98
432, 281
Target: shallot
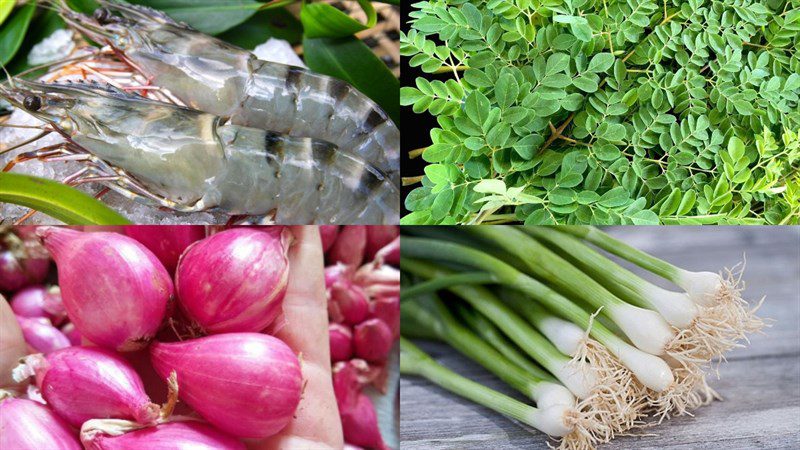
27, 425
39, 301
41, 335
183, 435
235, 280
167, 243
71, 333
83, 383
17, 270
378, 238
373, 340
328, 234
114, 289
347, 303
341, 341
357, 413
350, 245
245, 384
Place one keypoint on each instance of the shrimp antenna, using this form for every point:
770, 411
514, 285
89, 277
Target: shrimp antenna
9, 77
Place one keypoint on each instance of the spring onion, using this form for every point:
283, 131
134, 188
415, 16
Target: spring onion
484, 328
532, 385
650, 371
555, 420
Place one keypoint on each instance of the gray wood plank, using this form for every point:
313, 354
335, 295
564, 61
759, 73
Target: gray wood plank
760, 383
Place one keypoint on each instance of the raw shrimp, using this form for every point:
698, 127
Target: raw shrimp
216, 77
189, 160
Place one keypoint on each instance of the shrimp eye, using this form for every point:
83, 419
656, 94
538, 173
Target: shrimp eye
102, 16
32, 103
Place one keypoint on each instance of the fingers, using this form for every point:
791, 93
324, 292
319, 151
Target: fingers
316, 423
12, 344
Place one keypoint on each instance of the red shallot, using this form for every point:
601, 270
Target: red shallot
41, 335
372, 340
245, 384
166, 242
28, 425
341, 341
39, 301
114, 289
71, 333
328, 234
390, 254
18, 270
347, 303
350, 245
183, 435
83, 383
235, 280
378, 238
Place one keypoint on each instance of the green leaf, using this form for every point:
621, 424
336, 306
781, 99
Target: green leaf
562, 196
736, 148
557, 62
586, 84
442, 204
276, 23
208, 16
323, 20
477, 78
13, 32
601, 62
56, 200
351, 60
5, 9
506, 90
614, 198
490, 186
527, 146
477, 107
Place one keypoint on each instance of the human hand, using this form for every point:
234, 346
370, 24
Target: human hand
316, 423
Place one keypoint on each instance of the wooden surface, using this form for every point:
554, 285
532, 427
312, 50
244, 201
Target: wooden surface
760, 384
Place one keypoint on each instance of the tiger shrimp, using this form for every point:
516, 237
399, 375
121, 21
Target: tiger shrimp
189, 161
216, 77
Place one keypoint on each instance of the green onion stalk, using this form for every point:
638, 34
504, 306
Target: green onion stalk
645, 328
706, 289
609, 390
704, 331
670, 391
556, 420
537, 385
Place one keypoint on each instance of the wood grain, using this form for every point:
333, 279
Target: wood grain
760, 383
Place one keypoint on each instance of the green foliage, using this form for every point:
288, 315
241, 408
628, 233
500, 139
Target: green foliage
607, 111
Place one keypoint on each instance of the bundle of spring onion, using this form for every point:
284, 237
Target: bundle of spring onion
598, 349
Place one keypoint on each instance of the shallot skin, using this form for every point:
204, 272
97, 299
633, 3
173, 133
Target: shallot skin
114, 289
41, 335
235, 280
27, 425
188, 435
245, 384
83, 383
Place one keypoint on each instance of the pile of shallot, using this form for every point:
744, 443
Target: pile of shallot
363, 289
174, 313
